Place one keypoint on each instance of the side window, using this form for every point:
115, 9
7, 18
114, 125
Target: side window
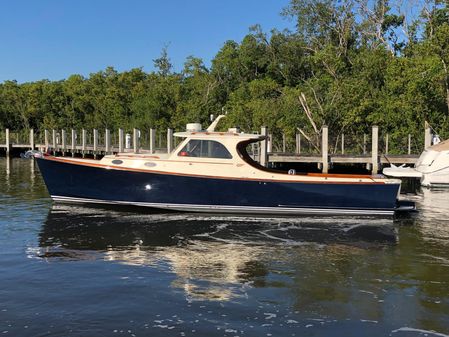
204, 149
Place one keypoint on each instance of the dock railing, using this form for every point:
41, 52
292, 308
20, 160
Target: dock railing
374, 149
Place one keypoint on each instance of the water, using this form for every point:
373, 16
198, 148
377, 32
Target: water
77, 271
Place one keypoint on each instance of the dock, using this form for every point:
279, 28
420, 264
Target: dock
93, 143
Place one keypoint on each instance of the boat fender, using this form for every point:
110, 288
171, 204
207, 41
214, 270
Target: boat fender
292, 172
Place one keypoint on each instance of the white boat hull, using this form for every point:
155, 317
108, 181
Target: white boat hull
432, 167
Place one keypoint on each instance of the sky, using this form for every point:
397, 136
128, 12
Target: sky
53, 39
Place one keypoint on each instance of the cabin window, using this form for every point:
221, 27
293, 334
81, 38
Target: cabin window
117, 161
204, 149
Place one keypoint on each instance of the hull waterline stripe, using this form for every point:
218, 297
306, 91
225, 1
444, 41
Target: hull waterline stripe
230, 209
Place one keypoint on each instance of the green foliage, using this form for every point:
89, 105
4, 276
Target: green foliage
346, 66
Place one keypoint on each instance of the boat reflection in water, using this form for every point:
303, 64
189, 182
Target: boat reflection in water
212, 257
433, 224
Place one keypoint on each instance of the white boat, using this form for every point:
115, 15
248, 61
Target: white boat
432, 167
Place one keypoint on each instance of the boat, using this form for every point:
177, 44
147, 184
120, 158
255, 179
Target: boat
212, 172
431, 169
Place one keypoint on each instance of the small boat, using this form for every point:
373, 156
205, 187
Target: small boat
212, 172
432, 167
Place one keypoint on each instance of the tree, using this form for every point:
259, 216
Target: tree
162, 63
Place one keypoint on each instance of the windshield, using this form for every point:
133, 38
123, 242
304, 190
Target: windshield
202, 148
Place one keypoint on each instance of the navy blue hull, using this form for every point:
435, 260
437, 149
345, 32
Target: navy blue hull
79, 183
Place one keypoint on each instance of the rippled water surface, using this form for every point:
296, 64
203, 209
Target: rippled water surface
79, 271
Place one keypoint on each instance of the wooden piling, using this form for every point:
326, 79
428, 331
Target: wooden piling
32, 139
83, 142
121, 140
375, 149
169, 140
46, 139
386, 143
298, 143
364, 143
152, 140
73, 145
409, 151
284, 143
107, 141
263, 157
95, 131
53, 140
136, 140
8, 142
95, 147
63, 142
427, 136
270, 143
325, 149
